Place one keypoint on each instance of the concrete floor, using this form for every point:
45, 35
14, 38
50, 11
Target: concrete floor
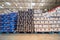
30, 37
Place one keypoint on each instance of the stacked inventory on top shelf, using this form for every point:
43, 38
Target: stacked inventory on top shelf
30, 21
48, 23
8, 22
25, 21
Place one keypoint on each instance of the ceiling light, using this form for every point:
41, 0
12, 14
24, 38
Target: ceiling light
42, 0
2, 4
20, 7
29, 6
33, 4
42, 4
45, 9
8, 3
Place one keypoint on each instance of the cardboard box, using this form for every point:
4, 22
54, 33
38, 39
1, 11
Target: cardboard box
45, 26
50, 22
36, 26
46, 22
55, 21
35, 14
39, 14
42, 22
42, 18
58, 21
40, 26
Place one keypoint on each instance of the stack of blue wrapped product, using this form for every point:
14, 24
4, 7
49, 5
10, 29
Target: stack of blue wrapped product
8, 22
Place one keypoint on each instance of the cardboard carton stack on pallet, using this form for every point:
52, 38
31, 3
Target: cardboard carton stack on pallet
47, 22
25, 21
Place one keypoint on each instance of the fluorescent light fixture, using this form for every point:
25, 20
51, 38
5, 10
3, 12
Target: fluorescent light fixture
42, 0
2, 4
45, 9
8, 3
42, 4
20, 7
33, 4
1, 7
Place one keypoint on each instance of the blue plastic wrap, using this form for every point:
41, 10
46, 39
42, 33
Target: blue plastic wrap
8, 22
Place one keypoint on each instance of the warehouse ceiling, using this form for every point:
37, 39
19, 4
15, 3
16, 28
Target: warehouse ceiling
28, 4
